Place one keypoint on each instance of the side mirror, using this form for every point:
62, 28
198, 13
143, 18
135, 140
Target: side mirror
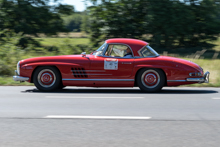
83, 54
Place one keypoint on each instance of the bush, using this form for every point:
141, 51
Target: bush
10, 53
25, 41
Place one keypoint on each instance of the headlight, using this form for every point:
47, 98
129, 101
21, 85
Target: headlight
18, 68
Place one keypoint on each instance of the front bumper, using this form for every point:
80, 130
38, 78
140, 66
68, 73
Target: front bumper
19, 78
204, 79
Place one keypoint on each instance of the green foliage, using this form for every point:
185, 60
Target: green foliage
76, 22
171, 23
73, 22
118, 19
25, 41
67, 48
32, 17
65, 9
15, 47
10, 53
85, 25
184, 24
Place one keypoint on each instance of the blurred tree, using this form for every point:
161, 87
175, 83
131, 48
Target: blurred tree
73, 22
65, 9
183, 23
85, 26
170, 22
32, 16
77, 22
121, 18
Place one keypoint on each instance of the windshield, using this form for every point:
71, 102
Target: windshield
147, 51
100, 50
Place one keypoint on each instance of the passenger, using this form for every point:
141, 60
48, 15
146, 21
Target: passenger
128, 53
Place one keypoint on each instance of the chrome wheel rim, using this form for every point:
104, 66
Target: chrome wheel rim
150, 78
46, 78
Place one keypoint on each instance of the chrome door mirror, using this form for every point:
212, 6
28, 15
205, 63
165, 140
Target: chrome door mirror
83, 54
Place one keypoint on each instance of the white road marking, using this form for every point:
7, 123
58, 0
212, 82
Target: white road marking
216, 98
88, 97
97, 117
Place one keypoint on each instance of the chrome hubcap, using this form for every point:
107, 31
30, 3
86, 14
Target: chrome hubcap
46, 78
150, 78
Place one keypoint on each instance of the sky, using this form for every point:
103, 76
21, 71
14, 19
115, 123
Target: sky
79, 5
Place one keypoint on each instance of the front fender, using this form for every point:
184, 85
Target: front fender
27, 70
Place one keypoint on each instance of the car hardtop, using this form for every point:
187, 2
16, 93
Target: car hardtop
134, 44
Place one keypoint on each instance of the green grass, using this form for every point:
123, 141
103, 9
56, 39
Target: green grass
8, 80
213, 66
61, 41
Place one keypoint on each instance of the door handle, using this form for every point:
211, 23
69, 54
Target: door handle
126, 63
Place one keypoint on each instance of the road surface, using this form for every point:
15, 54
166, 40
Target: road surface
109, 117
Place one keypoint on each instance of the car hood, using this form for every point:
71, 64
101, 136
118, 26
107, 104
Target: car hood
62, 58
179, 61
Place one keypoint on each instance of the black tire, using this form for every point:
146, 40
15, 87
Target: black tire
47, 78
61, 86
150, 80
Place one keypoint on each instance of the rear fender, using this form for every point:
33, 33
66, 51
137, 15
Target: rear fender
166, 70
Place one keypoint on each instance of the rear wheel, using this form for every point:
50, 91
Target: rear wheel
150, 80
47, 78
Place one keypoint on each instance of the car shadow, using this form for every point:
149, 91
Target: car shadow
125, 91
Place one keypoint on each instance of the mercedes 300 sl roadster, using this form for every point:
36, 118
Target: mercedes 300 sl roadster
118, 62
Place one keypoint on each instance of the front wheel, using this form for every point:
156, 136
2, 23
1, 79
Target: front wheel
47, 78
150, 80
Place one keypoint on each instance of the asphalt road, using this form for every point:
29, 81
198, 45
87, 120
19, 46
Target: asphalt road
109, 117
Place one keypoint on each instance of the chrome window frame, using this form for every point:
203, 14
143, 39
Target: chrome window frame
150, 48
104, 49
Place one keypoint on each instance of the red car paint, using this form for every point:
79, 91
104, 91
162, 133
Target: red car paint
77, 70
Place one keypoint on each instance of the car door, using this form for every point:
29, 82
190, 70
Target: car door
112, 64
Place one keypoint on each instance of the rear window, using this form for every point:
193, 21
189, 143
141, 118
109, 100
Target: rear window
147, 51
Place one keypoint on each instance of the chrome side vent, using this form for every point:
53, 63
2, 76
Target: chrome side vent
79, 73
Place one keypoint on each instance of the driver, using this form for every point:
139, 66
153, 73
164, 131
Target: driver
128, 53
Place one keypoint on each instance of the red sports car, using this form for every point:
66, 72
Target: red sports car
118, 62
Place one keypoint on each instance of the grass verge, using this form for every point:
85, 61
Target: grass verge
213, 66
8, 81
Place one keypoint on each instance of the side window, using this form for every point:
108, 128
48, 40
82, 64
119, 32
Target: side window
147, 51
117, 50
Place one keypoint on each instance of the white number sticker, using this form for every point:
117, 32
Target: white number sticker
111, 64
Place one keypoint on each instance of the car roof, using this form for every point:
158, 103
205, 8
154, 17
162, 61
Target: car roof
127, 41
135, 44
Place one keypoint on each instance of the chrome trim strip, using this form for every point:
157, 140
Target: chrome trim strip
88, 70
176, 80
89, 74
19, 78
113, 80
